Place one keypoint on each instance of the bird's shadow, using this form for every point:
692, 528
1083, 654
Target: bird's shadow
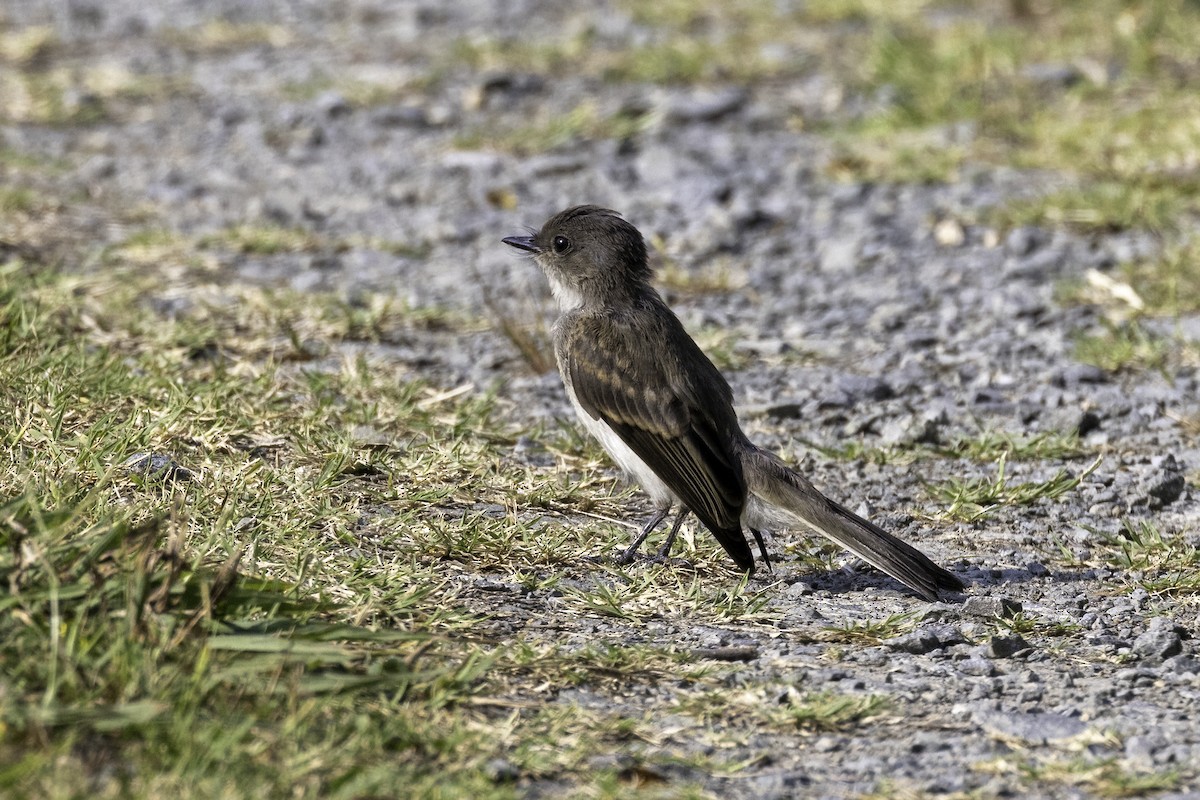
857, 577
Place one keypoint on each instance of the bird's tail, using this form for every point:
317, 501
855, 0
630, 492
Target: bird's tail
782, 498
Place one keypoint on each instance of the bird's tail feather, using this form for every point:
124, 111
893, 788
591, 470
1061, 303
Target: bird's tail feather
794, 499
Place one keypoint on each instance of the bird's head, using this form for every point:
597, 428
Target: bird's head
589, 254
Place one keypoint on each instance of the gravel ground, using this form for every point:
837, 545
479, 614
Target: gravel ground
882, 313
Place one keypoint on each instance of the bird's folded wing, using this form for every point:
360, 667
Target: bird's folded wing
676, 439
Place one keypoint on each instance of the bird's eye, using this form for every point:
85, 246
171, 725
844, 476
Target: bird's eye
561, 244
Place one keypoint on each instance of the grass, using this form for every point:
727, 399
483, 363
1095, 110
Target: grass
786, 708
1124, 346
642, 597
582, 123
283, 614
1022, 624
17, 199
157, 621
1099, 777
39, 87
985, 447
870, 632
1166, 565
1169, 285
359, 85
1112, 107
217, 36
975, 499
684, 43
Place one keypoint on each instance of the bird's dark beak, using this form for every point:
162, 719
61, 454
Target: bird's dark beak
522, 243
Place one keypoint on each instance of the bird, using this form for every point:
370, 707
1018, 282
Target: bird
662, 410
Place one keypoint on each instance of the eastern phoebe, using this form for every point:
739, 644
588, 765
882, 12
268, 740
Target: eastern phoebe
665, 414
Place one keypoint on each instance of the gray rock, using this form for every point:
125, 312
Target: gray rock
729, 653
705, 105
1035, 728
909, 429
977, 667
839, 256
501, 770
1023, 240
864, 388
471, 161
157, 468
1160, 641
1140, 749
991, 606
1165, 484
1073, 375
1052, 75
401, 116
1006, 646
333, 104
1181, 665
927, 638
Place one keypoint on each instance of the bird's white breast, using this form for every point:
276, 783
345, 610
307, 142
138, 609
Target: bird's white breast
632, 464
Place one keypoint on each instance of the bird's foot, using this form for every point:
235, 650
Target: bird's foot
626, 557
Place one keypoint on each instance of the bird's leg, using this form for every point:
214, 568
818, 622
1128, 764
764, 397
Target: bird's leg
630, 552
762, 548
665, 550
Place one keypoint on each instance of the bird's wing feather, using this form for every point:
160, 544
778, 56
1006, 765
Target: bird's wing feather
661, 421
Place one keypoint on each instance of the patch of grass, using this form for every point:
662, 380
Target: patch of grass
607, 663
826, 711
263, 240
870, 632
1107, 778
975, 499
686, 60
29, 45
48, 98
643, 592
46, 88
361, 86
990, 446
525, 329
714, 276
1102, 206
1164, 564
222, 36
721, 345
1169, 285
20, 160
682, 43
665, 59
582, 123
199, 615
905, 156
785, 708
1022, 624
862, 450
987, 447
246, 607
271, 240
1127, 346
1127, 338
17, 199
1099, 92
